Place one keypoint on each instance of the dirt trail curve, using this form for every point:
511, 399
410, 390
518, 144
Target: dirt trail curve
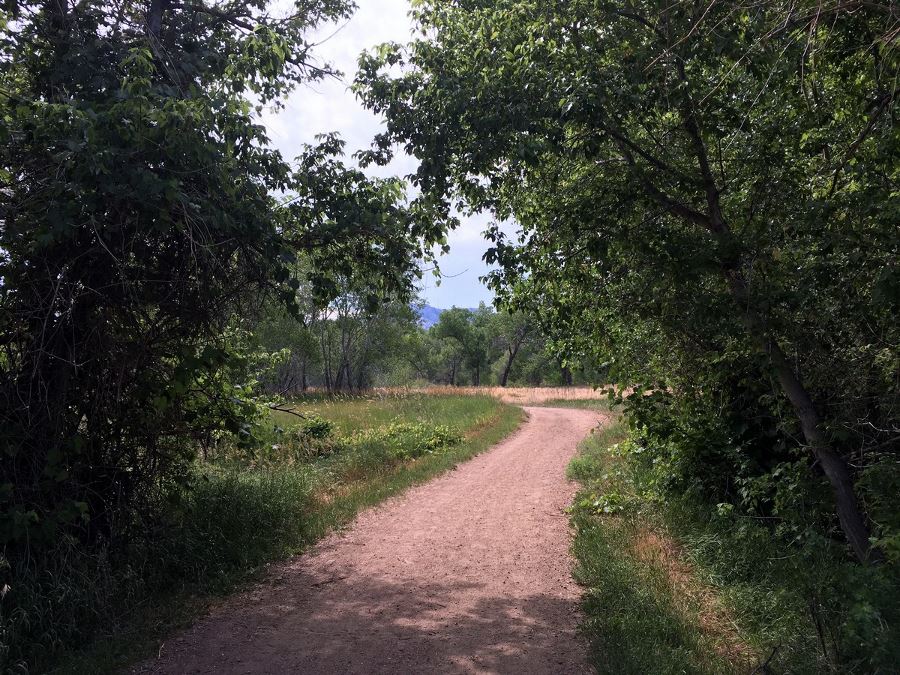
469, 573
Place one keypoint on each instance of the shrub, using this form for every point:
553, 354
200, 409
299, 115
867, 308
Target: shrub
315, 426
404, 440
756, 515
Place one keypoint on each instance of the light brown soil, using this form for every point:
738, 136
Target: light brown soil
469, 573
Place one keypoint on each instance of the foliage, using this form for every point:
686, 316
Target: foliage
349, 346
405, 440
728, 485
362, 345
708, 202
144, 218
798, 609
465, 329
315, 427
140, 214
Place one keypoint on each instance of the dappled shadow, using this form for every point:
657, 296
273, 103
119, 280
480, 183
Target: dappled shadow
365, 625
467, 573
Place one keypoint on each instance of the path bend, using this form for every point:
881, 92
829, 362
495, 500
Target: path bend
468, 573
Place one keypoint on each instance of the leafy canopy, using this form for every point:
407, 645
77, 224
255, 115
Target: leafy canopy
142, 212
707, 194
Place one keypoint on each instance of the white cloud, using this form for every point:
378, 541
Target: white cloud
330, 106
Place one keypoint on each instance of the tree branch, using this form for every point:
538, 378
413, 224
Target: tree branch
672, 205
848, 155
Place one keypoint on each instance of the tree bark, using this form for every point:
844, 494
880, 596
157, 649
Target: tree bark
852, 520
511, 352
504, 376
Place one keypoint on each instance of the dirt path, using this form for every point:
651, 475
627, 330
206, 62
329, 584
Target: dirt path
469, 573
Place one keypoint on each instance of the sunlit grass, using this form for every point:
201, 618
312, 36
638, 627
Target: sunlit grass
355, 413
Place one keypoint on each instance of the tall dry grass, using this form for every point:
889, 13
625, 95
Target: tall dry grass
513, 395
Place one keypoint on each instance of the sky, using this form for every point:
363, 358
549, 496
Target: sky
330, 106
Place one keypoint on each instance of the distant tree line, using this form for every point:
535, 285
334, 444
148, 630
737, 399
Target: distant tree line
346, 345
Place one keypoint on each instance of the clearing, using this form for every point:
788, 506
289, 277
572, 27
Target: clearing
469, 573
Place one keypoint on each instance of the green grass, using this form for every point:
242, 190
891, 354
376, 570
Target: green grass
242, 514
355, 413
673, 586
642, 614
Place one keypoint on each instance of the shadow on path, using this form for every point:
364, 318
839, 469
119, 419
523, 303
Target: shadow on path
443, 628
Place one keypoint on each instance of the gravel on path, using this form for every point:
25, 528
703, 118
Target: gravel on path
468, 573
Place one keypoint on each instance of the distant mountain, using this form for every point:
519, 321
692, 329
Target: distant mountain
428, 316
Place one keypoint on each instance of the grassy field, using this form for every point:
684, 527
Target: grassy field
350, 413
249, 508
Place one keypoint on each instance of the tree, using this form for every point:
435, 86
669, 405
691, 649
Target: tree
288, 335
707, 193
466, 329
510, 333
360, 344
141, 210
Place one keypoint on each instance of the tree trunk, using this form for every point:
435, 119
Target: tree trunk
509, 361
303, 384
504, 376
852, 520
326, 359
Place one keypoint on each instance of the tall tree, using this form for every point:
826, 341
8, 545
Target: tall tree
140, 208
510, 332
466, 329
703, 187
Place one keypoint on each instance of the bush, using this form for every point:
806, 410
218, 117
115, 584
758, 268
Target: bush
202, 539
756, 515
403, 440
315, 426
793, 592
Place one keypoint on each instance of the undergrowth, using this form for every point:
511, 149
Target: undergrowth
634, 621
674, 585
95, 611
